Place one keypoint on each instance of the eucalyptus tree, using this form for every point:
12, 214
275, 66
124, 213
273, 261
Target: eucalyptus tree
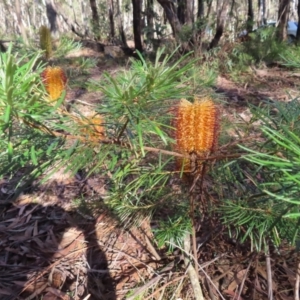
283, 13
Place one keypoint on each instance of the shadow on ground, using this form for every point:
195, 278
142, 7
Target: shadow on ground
50, 251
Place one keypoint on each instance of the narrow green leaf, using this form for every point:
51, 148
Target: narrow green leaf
33, 156
292, 215
10, 151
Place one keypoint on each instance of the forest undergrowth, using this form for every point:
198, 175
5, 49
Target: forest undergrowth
172, 178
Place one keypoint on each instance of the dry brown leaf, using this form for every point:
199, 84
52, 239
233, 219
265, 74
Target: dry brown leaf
6, 291
238, 277
57, 278
39, 242
35, 229
72, 241
50, 296
28, 232
233, 295
58, 294
262, 272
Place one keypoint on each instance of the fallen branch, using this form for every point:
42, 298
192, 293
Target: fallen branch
191, 270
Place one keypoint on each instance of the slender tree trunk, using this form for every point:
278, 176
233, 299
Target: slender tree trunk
95, 18
51, 15
221, 21
200, 20
264, 12
282, 19
259, 13
137, 32
20, 22
180, 11
189, 12
119, 18
200, 13
110, 5
171, 15
150, 19
298, 29
250, 18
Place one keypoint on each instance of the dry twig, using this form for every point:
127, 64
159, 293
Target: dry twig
269, 274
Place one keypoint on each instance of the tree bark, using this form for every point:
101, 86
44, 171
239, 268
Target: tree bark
298, 29
120, 25
137, 32
20, 22
189, 12
259, 13
110, 5
170, 12
51, 15
95, 18
282, 19
264, 12
150, 20
250, 18
200, 13
221, 21
180, 11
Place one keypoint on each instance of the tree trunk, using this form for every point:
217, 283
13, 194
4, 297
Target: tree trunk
110, 5
250, 18
95, 19
264, 12
200, 20
120, 25
150, 20
189, 12
137, 32
221, 21
298, 29
282, 19
51, 15
171, 15
259, 13
180, 11
20, 22
200, 13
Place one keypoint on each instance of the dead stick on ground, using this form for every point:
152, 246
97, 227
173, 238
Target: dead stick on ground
194, 279
297, 283
243, 281
269, 274
164, 286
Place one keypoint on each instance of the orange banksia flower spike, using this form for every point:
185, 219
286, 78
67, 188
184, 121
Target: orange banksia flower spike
196, 129
55, 80
206, 123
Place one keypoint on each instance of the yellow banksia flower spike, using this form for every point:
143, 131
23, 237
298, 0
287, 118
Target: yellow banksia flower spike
196, 128
205, 125
55, 80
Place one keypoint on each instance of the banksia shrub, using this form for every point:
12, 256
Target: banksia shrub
46, 41
91, 126
196, 129
55, 80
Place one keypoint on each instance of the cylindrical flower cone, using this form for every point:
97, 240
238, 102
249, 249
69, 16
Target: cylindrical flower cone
55, 80
196, 130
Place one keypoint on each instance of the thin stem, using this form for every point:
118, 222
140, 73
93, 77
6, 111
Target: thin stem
269, 274
297, 283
